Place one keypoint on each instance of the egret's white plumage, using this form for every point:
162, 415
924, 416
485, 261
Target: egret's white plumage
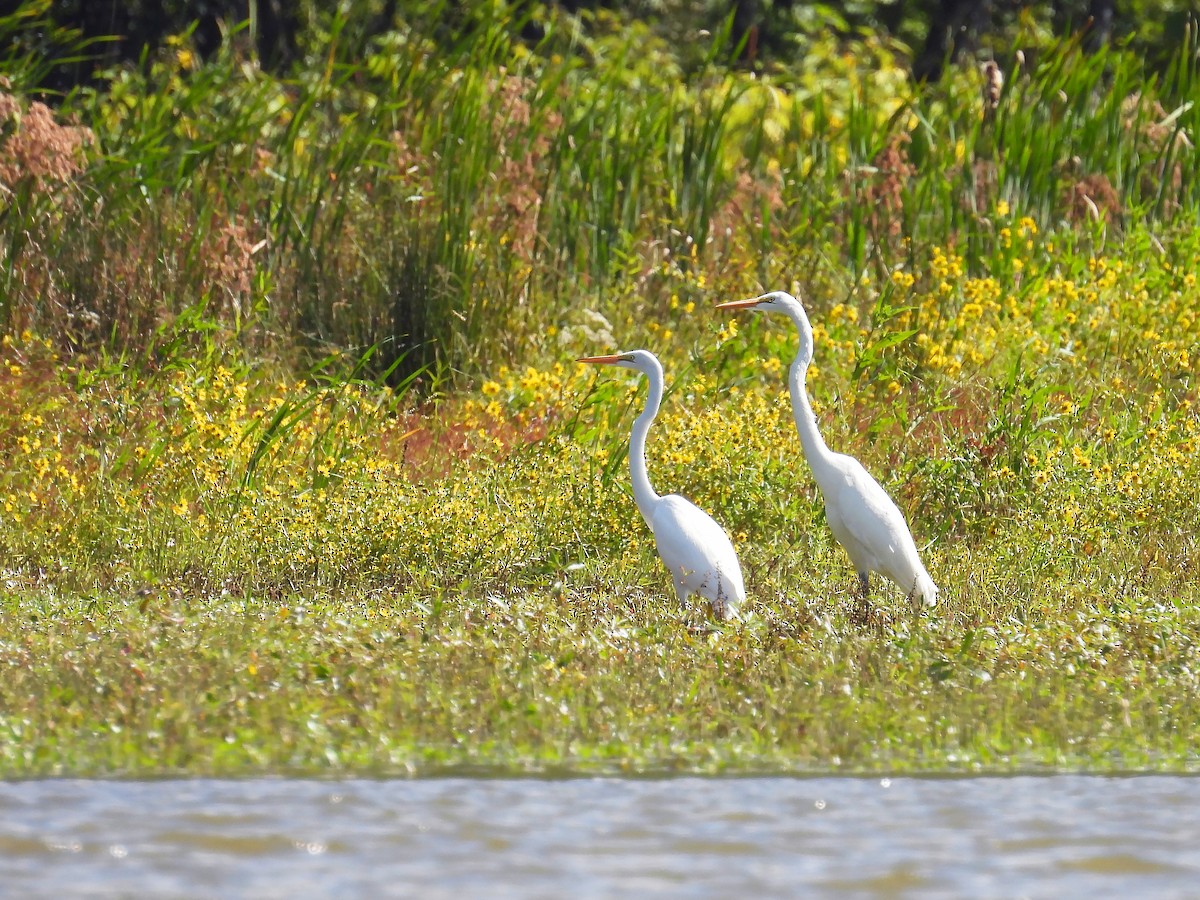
695, 549
861, 515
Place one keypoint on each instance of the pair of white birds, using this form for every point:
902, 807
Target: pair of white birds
697, 551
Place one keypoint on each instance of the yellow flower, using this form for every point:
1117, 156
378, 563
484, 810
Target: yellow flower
1002, 208
531, 379
970, 311
491, 388
180, 508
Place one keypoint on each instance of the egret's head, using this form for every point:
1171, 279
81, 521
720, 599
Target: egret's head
638, 360
775, 301
782, 302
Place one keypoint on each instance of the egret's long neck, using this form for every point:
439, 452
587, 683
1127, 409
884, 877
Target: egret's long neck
818, 455
643, 493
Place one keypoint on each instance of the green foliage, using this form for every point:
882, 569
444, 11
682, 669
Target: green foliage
405, 198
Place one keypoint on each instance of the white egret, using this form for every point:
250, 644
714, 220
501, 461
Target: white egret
861, 515
695, 549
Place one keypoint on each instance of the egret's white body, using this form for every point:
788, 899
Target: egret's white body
695, 549
861, 515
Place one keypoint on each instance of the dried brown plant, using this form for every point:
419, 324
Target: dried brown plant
749, 195
37, 147
986, 183
883, 194
1091, 198
227, 263
993, 85
517, 198
42, 156
1152, 126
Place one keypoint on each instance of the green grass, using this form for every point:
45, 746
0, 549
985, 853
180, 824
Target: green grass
586, 681
301, 476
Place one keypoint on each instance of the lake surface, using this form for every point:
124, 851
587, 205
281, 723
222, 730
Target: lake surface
1051, 836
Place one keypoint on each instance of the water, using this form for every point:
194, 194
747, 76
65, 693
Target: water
455, 837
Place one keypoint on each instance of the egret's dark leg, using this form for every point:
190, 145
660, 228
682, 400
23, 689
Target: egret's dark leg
862, 608
718, 606
915, 600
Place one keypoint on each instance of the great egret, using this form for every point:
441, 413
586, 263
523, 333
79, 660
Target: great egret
695, 549
861, 515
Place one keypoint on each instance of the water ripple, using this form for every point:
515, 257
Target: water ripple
773, 837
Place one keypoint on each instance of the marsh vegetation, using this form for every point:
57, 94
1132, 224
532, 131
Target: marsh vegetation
300, 473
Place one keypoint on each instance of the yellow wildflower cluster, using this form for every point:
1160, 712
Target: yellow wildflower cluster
1032, 393
943, 266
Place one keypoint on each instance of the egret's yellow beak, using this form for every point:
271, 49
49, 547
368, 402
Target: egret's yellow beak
609, 360
740, 304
